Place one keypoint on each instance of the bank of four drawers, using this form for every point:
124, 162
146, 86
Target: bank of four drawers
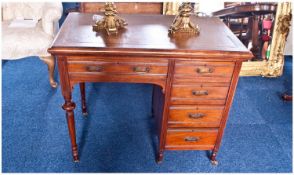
198, 96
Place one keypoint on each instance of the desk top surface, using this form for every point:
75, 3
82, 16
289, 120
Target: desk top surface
147, 33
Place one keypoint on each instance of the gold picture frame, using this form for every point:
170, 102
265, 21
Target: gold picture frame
273, 67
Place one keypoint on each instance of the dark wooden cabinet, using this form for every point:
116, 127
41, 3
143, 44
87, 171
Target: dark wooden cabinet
195, 77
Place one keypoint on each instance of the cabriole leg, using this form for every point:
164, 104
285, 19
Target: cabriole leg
83, 98
50, 61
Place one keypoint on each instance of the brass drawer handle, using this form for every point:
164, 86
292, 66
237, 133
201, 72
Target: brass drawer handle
199, 93
204, 70
94, 68
196, 115
191, 139
141, 69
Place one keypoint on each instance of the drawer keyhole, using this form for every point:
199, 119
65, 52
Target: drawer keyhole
191, 139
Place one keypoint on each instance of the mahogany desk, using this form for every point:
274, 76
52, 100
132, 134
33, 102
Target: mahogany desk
194, 77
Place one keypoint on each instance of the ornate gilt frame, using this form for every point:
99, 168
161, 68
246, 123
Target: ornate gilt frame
273, 67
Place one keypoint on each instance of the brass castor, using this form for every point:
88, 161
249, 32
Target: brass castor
214, 162
76, 159
159, 158
158, 161
85, 114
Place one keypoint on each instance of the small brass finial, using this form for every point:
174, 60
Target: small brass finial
182, 23
111, 22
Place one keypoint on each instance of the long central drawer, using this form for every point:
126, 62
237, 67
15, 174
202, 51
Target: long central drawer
118, 70
106, 67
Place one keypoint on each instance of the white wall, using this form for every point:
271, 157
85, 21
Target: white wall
209, 6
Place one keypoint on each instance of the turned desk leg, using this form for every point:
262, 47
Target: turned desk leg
83, 98
69, 107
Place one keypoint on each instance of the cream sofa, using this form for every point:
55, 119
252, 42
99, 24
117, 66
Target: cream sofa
21, 42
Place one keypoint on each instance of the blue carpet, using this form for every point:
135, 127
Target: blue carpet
118, 135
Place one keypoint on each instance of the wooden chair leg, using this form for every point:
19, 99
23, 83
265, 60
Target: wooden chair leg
83, 98
287, 97
50, 61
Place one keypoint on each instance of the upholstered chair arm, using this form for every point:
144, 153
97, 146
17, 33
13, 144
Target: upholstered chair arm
51, 14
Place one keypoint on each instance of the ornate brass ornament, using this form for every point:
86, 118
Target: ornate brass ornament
284, 24
111, 22
182, 22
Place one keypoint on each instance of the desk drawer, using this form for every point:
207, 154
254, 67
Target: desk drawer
204, 69
186, 139
195, 116
193, 71
118, 67
199, 94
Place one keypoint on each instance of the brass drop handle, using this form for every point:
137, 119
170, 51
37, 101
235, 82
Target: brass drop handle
141, 69
202, 70
196, 115
94, 68
199, 93
191, 139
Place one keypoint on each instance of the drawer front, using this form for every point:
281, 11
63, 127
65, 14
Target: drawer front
117, 70
131, 68
184, 139
195, 116
191, 71
204, 69
199, 94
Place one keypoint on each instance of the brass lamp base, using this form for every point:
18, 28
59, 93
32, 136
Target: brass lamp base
110, 22
182, 23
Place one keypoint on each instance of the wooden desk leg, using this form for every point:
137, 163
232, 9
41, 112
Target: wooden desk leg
69, 107
83, 98
166, 105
